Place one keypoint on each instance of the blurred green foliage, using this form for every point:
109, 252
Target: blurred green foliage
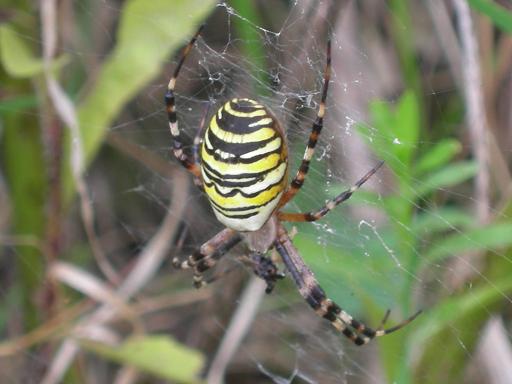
133, 62
158, 355
500, 16
419, 235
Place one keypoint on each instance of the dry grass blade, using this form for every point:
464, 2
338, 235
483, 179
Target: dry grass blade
446, 36
144, 269
95, 289
54, 327
153, 304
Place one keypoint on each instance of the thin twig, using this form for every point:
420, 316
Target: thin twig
446, 36
475, 107
237, 329
495, 353
127, 375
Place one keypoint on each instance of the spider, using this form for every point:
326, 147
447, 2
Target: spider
240, 162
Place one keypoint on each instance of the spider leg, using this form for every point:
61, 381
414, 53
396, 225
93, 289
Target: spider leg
331, 204
298, 181
208, 254
209, 261
383, 321
314, 295
170, 104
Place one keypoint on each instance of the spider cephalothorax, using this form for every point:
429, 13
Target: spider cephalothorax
241, 164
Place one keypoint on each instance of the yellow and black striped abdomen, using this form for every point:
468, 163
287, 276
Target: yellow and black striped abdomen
244, 164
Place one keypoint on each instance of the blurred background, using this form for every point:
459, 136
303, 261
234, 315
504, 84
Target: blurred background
93, 206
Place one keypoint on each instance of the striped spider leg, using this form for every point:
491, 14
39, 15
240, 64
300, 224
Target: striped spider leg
208, 254
310, 290
331, 204
316, 129
170, 104
303, 277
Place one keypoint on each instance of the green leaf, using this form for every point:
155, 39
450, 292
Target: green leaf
342, 261
399, 127
438, 155
397, 132
451, 310
382, 116
482, 239
402, 29
149, 32
17, 57
337, 271
18, 103
158, 355
448, 176
398, 208
442, 219
499, 15
327, 258
407, 125
252, 45
455, 323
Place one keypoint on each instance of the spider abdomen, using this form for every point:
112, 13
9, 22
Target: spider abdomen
244, 164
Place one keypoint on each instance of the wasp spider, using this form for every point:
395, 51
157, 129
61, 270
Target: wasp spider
240, 161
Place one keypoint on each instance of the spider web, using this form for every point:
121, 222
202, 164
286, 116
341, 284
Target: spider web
372, 266
355, 251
